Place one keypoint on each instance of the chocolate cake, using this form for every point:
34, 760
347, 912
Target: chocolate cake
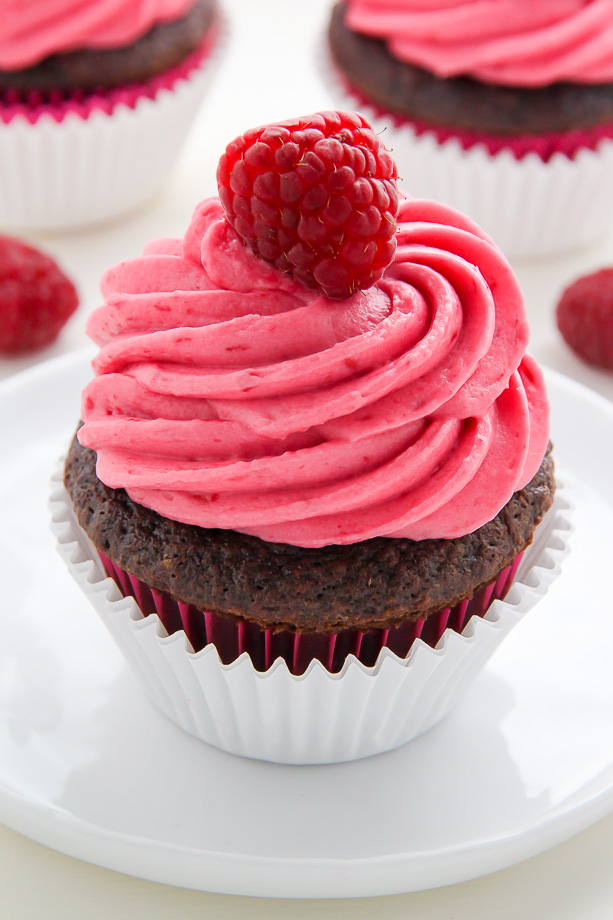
159, 50
461, 102
376, 583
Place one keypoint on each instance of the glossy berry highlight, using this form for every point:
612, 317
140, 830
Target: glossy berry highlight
316, 196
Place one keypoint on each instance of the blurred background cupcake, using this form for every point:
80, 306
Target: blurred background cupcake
96, 99
502, 108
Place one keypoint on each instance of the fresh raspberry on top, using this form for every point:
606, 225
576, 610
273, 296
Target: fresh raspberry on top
317, 197
585, 318
36, 297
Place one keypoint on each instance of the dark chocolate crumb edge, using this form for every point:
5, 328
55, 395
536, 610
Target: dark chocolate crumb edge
159, 50
462, 103
377, 583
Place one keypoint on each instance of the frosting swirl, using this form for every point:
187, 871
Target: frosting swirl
31, 30
507, 42
227, 395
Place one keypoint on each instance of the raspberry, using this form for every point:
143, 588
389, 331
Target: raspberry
317, 197
585, 318
36, 297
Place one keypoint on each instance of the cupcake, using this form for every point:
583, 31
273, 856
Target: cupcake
504, 110
314, 455
95, 102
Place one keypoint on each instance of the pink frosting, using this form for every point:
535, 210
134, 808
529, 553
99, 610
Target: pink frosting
513, 42
227, 395
30, 30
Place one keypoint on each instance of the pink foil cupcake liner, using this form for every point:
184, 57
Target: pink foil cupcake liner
232, 637
545, 145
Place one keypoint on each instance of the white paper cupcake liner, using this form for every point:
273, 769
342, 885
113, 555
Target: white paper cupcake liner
59, 175
317, 717
528, 206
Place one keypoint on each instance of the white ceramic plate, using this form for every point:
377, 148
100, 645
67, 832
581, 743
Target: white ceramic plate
90, 767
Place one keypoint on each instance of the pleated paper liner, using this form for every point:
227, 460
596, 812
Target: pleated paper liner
79, 159
532, 196
321, 715
232, 636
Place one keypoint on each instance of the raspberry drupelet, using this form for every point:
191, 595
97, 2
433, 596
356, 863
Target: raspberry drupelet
316, 196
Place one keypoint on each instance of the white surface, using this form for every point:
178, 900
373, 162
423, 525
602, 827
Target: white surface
89, 766
317, 717
268, 73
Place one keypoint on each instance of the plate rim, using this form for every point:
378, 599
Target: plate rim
292, 877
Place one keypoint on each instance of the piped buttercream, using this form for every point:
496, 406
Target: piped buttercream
31, 30
510, 42
227, 395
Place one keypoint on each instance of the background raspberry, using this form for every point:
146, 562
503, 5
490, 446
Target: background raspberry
36, 297
585, 318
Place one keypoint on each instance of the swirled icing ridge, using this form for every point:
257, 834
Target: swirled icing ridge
507, 42
30, 30
227, 395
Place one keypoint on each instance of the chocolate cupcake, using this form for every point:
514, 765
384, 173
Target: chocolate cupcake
506, 114
81, 87
321, 497
296, 603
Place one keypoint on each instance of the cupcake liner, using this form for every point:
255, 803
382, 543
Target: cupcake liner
318, 716
529, 205
545, 145
84, 160
232, 637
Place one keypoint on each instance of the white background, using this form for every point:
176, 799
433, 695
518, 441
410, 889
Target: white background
268, 72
